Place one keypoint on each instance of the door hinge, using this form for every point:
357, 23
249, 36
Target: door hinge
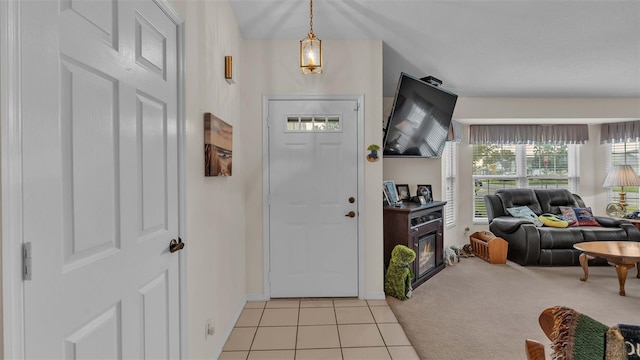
26, 261
357, 106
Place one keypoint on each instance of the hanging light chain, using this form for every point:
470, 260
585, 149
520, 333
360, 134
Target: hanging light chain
310, 16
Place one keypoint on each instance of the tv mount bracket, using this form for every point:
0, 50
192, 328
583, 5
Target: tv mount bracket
432, 80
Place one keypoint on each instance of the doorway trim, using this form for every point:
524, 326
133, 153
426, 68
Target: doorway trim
266, 99
12, 341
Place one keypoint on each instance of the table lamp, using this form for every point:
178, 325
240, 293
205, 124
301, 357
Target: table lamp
621, 175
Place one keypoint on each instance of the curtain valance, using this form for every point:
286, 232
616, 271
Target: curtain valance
455, 131
620, 132
528, 134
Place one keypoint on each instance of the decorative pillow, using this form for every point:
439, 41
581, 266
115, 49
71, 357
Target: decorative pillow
631, 336
569, 215
525, 213
623, 342
585, 217
553, 220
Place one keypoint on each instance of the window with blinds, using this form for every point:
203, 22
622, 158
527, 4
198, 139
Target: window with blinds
625, 153
313, 123
540, 166
449, 160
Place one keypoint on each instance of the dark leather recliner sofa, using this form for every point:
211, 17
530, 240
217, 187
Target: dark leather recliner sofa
531, 245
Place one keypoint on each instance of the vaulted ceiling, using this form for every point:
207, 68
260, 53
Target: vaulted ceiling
478, 48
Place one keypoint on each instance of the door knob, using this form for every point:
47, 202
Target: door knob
352, 200
176, 245
350, 214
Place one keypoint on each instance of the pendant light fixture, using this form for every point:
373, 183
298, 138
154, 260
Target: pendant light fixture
311, 49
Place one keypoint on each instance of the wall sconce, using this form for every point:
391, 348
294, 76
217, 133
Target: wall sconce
311, 49
228, 69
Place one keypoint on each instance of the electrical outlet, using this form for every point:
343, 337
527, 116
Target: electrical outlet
209, 329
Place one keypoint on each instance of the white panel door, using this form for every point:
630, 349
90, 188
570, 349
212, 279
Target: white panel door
100, 172
312, 176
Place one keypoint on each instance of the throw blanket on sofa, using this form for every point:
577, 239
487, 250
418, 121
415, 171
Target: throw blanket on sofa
577, 336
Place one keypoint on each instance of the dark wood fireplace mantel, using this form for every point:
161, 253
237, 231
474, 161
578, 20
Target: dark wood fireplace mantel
419, 227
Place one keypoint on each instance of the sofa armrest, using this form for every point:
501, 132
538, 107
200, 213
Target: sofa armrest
493, 204
509, 224
632, 231
524, 240
633, 234
606, 221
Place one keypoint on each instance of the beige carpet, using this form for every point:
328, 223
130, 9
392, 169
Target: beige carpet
474, 310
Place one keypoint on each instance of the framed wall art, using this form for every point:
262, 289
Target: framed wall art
218, 146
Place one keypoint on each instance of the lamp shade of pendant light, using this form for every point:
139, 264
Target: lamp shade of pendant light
311, 49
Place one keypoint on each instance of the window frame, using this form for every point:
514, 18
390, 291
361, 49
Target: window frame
521, 179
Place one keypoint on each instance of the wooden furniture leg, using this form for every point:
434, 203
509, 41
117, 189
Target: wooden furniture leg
546, 321
585, 266
638, 266
622, 269
534, 349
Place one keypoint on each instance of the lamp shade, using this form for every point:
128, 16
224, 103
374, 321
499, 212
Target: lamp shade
621, 175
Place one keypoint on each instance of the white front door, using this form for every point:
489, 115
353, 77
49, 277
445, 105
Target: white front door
313, 173
100, 179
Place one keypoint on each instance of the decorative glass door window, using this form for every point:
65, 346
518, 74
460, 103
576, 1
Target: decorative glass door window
314, 123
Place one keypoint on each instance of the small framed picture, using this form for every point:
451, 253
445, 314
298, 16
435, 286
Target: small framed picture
403, 191
425, 190
390, 192
423, 201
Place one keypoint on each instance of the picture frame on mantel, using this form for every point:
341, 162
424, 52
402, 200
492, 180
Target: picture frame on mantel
403, 192
426, 191
390, 192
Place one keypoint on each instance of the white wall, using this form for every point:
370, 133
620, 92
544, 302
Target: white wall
272, 68
518, 110
215, 240
546, 110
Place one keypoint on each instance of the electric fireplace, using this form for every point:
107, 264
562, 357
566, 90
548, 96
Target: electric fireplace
419, 227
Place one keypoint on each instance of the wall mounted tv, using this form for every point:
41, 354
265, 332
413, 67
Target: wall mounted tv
419, 122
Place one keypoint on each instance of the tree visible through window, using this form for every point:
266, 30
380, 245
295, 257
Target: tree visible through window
540, 166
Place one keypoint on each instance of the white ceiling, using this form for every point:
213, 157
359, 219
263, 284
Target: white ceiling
478, 48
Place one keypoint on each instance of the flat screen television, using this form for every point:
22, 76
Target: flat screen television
419, 122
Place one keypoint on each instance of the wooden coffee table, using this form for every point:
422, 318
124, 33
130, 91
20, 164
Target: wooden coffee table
624, 255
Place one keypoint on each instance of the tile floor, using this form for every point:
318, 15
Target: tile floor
341, 329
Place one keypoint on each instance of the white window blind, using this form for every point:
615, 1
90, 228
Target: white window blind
541, 166
450, 155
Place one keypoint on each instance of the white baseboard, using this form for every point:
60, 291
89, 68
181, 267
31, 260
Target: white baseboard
227, 331
256, 297
375, 296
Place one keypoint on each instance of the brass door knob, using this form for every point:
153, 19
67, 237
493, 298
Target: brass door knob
350, 214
